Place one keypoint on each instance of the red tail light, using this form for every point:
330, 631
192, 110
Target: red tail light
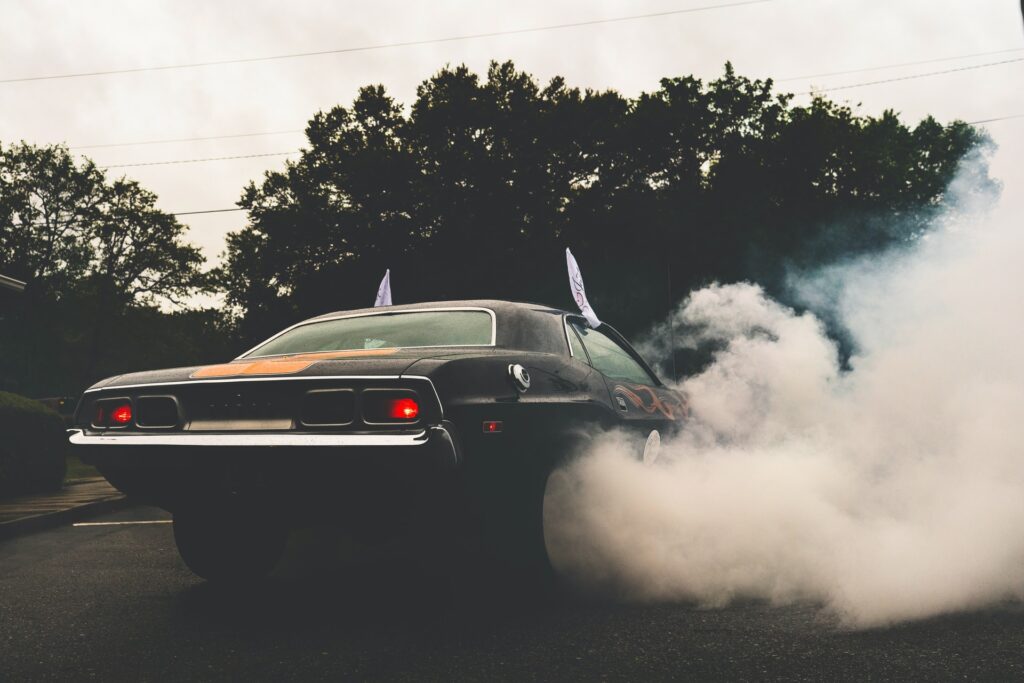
387, 406
121, 414
112, 412
403, 409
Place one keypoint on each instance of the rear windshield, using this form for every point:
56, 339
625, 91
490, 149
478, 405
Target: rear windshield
384, 331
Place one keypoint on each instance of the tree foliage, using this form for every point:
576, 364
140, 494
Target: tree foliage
99, 259
476, 189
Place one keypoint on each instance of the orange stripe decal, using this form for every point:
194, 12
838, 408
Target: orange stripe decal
285, 365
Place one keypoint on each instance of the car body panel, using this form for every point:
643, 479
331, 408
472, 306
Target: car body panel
246, 415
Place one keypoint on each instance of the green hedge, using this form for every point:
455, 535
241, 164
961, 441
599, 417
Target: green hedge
33, 445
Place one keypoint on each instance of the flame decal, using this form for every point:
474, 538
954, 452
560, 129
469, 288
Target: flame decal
284, 365
651, 402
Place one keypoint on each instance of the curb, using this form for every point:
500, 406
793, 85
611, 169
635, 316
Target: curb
49, 520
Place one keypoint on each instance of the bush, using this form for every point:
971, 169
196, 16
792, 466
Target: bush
33, 445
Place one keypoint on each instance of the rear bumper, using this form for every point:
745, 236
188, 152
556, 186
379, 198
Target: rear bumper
136, 449
292, 473
111, 443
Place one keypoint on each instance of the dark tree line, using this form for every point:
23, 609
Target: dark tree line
479, 187
473, 191
104, 268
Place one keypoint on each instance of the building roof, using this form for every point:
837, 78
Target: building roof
10, 283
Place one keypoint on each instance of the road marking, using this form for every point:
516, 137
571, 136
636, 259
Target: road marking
150, 521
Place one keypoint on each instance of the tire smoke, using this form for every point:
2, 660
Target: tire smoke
888, 489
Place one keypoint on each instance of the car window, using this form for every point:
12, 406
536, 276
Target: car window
384, 331
611, 359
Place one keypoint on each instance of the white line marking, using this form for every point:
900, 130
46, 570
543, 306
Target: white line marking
149, 521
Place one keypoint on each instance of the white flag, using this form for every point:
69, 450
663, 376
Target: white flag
384, 291
578, 292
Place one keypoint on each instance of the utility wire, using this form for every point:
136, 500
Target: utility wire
385, 46
172, 213
913, 76
235, 209
297, 151
997, 118
778, 80
195, 213
883, 67
194, 161
809, 92
206, 137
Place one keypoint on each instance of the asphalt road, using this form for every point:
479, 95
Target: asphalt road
116, 603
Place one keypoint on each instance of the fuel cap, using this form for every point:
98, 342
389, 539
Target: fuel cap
520, 376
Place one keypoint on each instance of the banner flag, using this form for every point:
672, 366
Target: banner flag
578, 291
384, 291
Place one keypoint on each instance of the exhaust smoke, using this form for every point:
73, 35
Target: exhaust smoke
890, 488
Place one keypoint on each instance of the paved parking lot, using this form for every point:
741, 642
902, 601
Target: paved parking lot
111, 602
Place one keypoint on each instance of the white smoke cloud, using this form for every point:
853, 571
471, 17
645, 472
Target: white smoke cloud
891, 490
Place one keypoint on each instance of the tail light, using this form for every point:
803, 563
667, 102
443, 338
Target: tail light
121, 415
390, 407
403, 409
115, 412
156, 412
328, 408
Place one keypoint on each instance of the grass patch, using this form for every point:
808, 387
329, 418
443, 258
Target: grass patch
78, 469
32, 446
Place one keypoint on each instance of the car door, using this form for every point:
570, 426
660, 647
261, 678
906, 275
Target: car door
641, 401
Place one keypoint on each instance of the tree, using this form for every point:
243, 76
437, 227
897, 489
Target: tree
476, 191
97, 256
46, 202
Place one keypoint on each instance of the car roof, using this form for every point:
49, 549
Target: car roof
519, 325
499, 306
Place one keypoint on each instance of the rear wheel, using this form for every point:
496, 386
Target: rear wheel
499, 543
508, 540
228, 545
509, 545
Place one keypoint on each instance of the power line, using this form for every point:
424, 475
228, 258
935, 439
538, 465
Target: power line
913, 76
205, 137
194, 213
810, 92
777, 80
194, 161
385, 46
996, 118
297, 151
172, 213
883, 67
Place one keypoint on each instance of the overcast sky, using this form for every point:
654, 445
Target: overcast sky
781, 38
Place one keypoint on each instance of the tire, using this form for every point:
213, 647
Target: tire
506, 549
228, 545
500, 546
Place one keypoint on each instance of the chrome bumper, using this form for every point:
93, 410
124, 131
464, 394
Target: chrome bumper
438, 437
249, 440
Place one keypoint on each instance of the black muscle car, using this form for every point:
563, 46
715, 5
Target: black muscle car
434, 419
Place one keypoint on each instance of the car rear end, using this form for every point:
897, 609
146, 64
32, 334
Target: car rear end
304, 446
